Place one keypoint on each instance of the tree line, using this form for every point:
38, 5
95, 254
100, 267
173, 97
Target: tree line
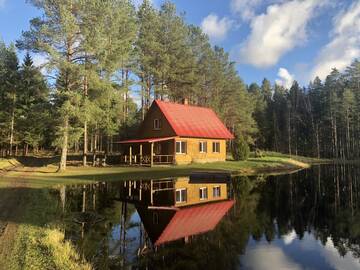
102, 56
321, 120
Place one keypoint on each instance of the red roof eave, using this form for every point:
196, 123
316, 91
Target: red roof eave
147, 140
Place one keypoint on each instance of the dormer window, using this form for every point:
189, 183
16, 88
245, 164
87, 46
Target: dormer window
157, 124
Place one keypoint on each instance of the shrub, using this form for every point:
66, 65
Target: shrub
240, 149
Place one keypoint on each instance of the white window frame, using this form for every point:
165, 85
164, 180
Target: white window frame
214, 147
201, 193
182, 200
217, 195
156, 124
183, 149
203, 146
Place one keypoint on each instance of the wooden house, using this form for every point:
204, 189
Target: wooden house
173, 133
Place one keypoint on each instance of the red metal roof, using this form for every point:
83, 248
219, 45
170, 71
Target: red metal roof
148, 140
193, 121
194, 220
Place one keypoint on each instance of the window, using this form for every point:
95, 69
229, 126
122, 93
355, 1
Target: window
216, 192
157, 124
180, 147
216, 147
203, 193
202, 147
181, 195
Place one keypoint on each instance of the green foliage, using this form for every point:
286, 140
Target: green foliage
102, 54
320, 120
240, 149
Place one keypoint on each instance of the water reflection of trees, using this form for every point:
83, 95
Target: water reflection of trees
323, 201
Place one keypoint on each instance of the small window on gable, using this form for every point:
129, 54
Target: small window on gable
216, 147
202, 147
157, 124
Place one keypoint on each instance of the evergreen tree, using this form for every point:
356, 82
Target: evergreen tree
33, 102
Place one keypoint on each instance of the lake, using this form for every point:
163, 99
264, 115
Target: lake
305, 220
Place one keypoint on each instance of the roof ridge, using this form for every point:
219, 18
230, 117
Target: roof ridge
187, 105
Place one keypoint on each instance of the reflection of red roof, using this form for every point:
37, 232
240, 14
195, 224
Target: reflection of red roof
194, 220
193, 121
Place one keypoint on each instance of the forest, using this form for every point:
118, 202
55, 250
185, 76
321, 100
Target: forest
106, 61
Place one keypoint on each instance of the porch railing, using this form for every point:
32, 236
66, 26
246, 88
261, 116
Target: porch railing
146, 159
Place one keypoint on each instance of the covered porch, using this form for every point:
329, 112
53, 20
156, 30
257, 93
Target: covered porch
148, 152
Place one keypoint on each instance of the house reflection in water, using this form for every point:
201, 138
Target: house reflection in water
178, 209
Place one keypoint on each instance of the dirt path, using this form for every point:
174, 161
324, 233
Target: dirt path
13, 199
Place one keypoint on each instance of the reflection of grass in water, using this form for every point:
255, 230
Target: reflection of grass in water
40, 243
5, 163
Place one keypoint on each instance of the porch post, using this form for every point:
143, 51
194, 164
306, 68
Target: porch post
174, 154
141, 154
130, 154
152, 155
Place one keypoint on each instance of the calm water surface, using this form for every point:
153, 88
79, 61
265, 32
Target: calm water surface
306, 220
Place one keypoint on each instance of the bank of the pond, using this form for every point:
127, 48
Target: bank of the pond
270, 164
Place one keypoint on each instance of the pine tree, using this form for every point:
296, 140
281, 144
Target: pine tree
33, 102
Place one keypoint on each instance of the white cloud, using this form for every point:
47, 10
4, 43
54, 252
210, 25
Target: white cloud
276, 32
39, 60
272, 257
2, 3
245, 8
215, 27
285, 78
289, 238
344, 46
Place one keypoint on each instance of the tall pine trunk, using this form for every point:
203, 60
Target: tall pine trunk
62, 165
12, 124
85, 123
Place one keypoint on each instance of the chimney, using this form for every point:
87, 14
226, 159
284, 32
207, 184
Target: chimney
185, 101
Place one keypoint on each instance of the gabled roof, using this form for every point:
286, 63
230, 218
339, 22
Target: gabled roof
194, 220
193, 121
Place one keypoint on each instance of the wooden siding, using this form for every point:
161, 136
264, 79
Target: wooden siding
147, 127
193, 192
193, 153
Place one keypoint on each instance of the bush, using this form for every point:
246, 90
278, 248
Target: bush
240, 149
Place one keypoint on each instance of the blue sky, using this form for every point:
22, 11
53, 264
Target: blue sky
282, 40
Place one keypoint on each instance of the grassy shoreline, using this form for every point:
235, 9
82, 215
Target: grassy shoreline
270, 164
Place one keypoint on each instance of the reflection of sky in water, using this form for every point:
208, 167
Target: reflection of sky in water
289, 252
132, 238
